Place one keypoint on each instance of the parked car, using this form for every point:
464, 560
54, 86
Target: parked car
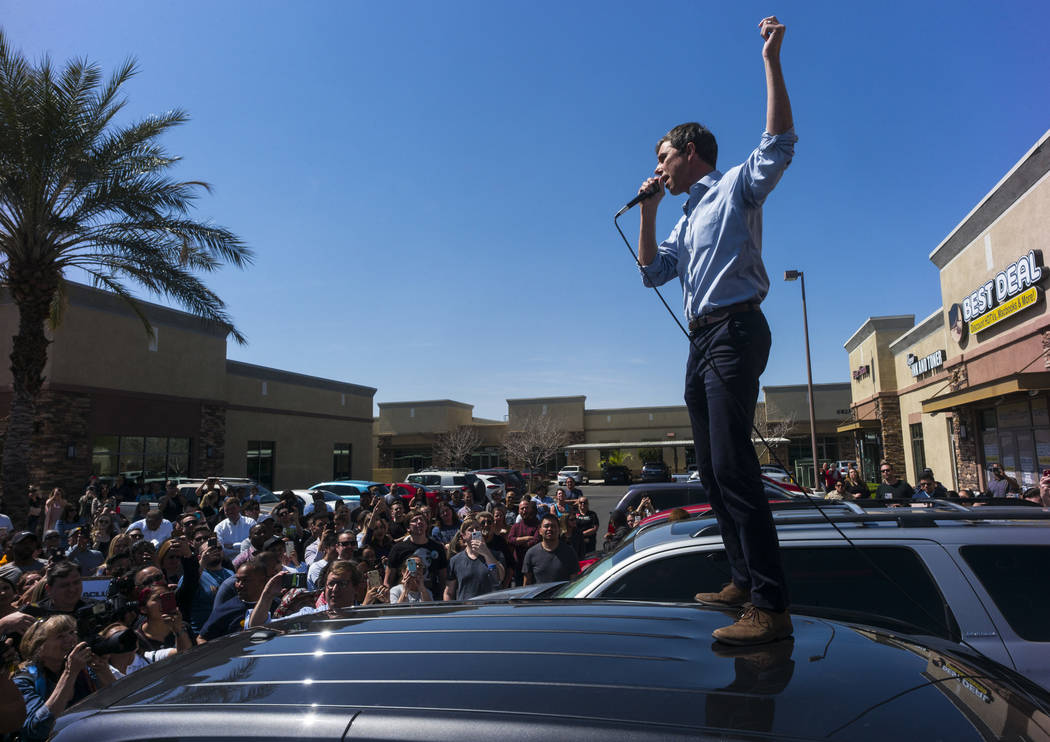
616, 474
690, 472
655, 471
188, 490
406, 491
447, 481
633, 672
578, 474
776, 473
939, 569
511, 477
666, 496
350, 489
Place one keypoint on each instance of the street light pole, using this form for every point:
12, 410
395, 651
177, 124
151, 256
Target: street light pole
799, 275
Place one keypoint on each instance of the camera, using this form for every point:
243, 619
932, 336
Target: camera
91, 619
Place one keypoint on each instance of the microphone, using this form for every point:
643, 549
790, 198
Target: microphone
637, 200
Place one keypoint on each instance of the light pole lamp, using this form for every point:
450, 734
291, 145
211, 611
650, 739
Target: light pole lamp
800, 276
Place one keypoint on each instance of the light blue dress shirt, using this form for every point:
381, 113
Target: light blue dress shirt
716, 247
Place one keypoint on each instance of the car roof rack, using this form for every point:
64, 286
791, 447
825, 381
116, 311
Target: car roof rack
925, 514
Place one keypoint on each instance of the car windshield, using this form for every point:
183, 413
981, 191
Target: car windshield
596, 571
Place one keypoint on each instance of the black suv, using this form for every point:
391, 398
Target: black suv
656, 471
626, 671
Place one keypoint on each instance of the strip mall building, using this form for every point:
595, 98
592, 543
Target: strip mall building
966, 387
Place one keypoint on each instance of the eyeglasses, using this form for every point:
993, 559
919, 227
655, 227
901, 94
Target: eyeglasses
885, 471
345, 543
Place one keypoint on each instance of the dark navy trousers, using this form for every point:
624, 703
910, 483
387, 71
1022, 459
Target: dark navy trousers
726, 359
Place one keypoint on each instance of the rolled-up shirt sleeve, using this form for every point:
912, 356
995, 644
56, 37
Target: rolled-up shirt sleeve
763, 168
665, 266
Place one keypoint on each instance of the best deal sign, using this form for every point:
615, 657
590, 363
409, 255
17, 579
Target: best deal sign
1012, 290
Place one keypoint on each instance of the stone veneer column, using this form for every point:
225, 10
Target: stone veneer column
888, 412
213, 435
965, 449
61, 423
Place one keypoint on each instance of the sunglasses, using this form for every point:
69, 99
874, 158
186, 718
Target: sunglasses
154, 580
135, 536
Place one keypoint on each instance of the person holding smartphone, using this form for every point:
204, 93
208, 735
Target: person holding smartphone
411, 589
475, 570
161, 625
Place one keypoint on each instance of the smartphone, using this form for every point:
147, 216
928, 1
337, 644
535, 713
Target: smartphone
168, 606
213, 543
475, 537
373, 578
289, 580
413, 566
289, 548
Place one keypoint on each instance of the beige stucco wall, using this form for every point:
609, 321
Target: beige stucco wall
1023, 227
567, 411
247, 389
936, 445
94, 347
865, 355
438, 416
303, 446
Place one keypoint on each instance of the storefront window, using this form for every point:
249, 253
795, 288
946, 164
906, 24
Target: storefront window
918, 451
260, 460
138, 457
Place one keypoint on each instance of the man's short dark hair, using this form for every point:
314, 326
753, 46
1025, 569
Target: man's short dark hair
551, 517
703, 141
59, 569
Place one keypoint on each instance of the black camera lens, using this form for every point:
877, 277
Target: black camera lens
122, 641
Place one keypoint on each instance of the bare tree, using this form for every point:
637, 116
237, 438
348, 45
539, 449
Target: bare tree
452, 450
781, 428
537, 440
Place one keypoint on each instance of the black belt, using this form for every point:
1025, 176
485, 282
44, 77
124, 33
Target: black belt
698, 323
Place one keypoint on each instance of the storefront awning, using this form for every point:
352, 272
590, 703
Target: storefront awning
650, 444
859, 425
1011, 385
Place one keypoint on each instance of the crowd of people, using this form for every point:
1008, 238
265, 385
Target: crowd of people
185, 570
848, 484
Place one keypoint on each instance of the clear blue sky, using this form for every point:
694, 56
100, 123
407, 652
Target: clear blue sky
429, 187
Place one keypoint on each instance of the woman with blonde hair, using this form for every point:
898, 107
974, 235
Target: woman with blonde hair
58, 672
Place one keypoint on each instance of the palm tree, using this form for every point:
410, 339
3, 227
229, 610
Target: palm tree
79, 192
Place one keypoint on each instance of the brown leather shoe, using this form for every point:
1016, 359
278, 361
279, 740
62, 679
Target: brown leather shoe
730, 595
756, 626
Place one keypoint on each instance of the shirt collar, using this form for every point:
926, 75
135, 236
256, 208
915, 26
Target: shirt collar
699, 188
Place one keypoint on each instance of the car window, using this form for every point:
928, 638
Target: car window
837, 579
666, 499
343, 490
460, 480
1015, 578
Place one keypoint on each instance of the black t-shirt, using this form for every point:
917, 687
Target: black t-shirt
900, 491
432, 554
551, 566
584, 522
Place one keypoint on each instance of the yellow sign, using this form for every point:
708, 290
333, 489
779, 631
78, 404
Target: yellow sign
1006, 309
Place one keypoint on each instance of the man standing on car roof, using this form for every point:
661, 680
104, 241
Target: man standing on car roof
715, 251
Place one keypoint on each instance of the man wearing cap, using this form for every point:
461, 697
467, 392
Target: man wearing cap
155, 527
21, 557
81, 553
